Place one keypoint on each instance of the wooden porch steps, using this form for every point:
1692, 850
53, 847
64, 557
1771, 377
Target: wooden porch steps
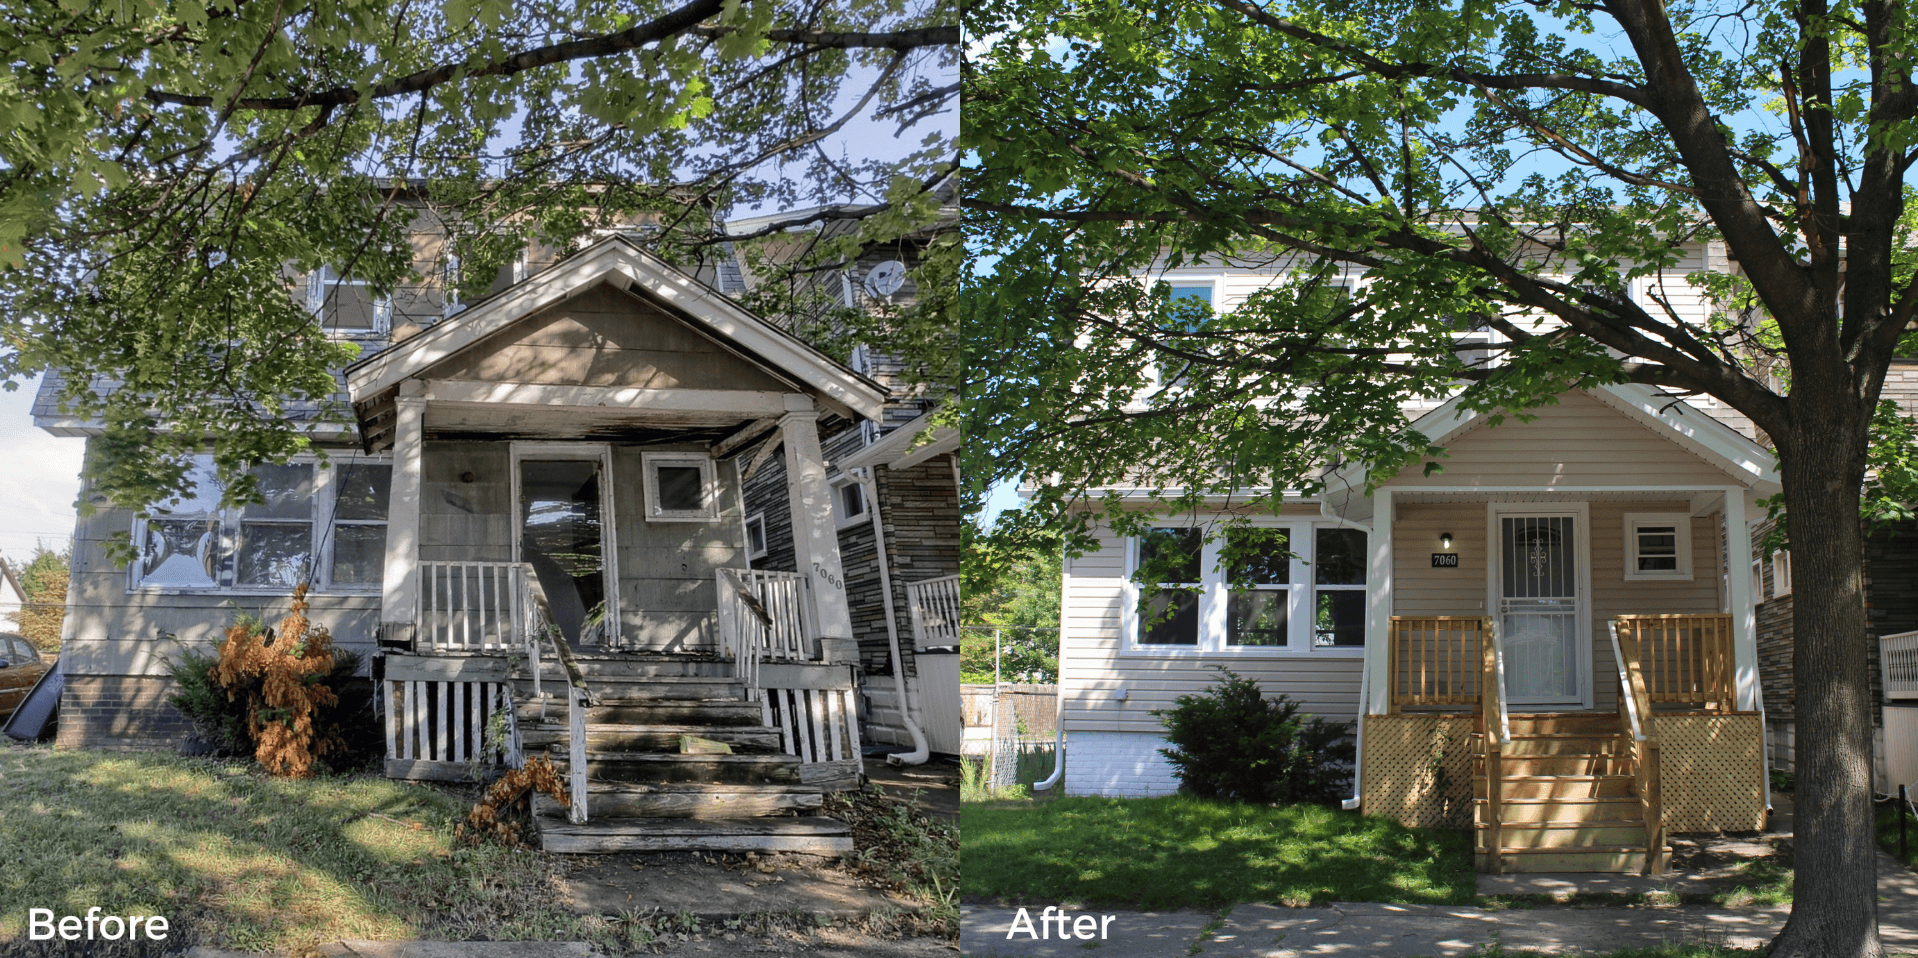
643, 794
1569, 799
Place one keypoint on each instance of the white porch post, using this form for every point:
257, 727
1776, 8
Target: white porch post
399, 590
1738, 592
815, 534
1378, 603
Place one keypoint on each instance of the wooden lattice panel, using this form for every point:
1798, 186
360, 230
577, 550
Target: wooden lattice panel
1713, 772
1401, 763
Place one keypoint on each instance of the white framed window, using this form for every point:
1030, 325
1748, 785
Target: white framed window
679, 487
450, 302
756, 536
1781, 573
322, 525
1269, 588
848, 502
1758, 582
1658, 546
346, 306
1169, 614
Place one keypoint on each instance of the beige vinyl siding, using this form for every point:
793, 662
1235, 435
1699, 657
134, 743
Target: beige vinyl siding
1578, 442
1092, 668
1613, 594
1419, 589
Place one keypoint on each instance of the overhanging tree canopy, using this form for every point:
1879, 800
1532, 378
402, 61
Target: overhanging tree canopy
165, 168
1517, 166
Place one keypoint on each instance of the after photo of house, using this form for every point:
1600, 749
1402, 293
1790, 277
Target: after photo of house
485, 481
1437, 482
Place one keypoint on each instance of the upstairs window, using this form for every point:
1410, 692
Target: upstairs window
346, 306
1658, 546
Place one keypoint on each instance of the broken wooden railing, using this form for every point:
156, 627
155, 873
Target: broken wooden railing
763, 630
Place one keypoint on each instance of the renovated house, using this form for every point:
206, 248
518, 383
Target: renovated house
536, 525
1542, 640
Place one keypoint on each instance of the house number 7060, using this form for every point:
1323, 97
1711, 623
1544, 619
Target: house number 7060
826, 574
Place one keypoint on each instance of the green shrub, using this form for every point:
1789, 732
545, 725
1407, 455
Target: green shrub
1234, 743
217, 720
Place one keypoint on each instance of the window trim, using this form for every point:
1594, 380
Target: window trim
1682, 529
1215, 600
765, 543
320, 523
709, 486
1781, 573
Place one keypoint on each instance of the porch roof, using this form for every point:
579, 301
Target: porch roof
617, 263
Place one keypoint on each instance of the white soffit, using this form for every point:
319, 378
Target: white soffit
896, 449
624, 266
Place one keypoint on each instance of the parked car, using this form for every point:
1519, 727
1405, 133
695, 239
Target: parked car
21, 665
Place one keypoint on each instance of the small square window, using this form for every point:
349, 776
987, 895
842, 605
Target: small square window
679, 487
848, 503
1658, 546
756, 536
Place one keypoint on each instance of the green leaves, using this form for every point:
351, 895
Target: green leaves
168, 170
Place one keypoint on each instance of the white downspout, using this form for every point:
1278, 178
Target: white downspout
920, 749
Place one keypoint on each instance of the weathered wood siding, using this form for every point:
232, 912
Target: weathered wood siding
462, 520
668, 597
606, 337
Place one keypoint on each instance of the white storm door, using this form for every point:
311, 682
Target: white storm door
1540, 607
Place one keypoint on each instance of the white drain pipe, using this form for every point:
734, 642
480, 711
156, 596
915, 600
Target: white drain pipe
920, 749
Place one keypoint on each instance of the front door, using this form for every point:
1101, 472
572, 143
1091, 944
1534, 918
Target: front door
1539, 608
565, 536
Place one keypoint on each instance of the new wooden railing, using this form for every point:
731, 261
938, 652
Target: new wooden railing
1635, 703
1684, 658
1495, 727
1435, 660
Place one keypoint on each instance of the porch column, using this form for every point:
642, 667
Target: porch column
815, 534
399, 586
1378, 603
1738, 593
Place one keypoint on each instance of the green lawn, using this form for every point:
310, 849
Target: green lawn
237, 859
1182, 852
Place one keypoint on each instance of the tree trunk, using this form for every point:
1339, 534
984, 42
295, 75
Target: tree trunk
1834, 891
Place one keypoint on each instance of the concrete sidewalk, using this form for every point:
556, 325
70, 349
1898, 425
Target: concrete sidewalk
1409, 931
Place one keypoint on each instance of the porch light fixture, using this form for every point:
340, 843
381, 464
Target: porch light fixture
1445, 540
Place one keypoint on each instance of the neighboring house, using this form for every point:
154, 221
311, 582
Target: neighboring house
13, 598
896, 504
541, 492
1616, 511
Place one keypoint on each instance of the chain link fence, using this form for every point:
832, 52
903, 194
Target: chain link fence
1009, 720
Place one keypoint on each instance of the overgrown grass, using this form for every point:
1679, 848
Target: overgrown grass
1182, 852
236, 859
905, 852
1033, 763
